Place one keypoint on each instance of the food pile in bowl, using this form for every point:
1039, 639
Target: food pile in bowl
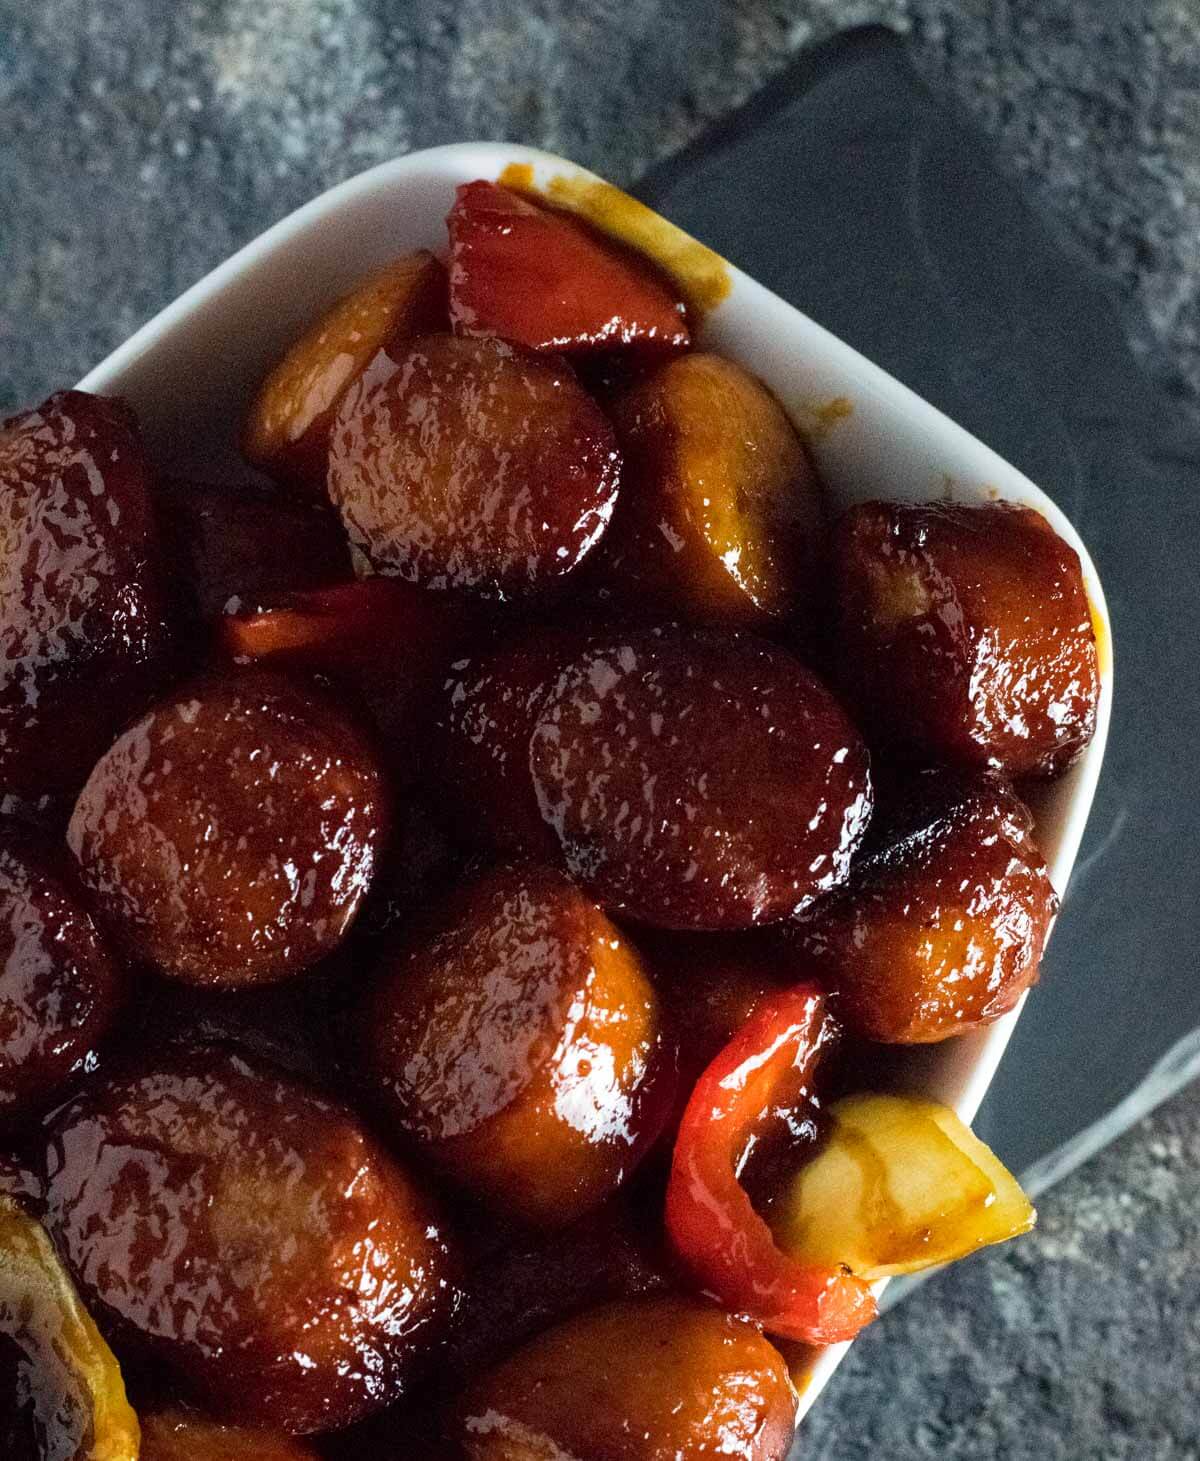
462, 887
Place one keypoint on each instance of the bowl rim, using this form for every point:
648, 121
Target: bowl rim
746, 300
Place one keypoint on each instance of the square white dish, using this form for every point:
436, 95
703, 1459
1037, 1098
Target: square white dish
191, 372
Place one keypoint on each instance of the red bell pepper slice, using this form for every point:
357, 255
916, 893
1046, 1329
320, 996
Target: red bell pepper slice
544, 280
726, 1245
362, 625
388, 639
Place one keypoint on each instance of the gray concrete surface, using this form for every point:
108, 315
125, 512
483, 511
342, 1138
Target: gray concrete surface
142, 140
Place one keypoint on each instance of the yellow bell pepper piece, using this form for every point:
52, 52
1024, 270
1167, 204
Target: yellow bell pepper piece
76, 1381
900, 1184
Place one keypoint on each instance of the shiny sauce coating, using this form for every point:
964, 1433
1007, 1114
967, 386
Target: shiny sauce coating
700, 780
965, 634
84, 619
60, 985
517, 1040
252, 1234
230, 835
470, 464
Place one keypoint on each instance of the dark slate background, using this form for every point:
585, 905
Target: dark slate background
141, 142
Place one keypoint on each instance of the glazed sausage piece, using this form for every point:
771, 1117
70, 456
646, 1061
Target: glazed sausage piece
941, 927
490, 706
964, 634
236, 548
699, 780
517, 1040
60, 986
251, 1234
720, 518
84, 620
544, 279
230, 835
659, 1379
181, 1435
287, 430
471, 464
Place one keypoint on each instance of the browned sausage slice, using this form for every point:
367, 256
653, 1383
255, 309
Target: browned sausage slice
661, 1379
472, 464
700, 780
517, 1039
720, 519
230, 835
964, 634
252, 1235
941, 928
85, 636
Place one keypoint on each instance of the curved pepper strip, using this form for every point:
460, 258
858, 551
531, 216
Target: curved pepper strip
711, 1221
543, 279
360, 625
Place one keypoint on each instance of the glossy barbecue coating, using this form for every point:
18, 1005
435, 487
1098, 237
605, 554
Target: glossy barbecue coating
83, 615
182, 1435
287, 430
252, 1235
965, 634
60, 986
546, 280
490, 706
62, 1397
236, 548
942, 927
517, 1040
661, 1379
230, 835
471, 464
721, 516
699, 780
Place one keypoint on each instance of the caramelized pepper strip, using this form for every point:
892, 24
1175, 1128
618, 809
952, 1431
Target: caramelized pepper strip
544, 280
347, 625
387, 639
74, 1390
727, 1246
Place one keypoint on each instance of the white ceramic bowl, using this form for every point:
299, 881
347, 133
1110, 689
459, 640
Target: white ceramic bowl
191, 372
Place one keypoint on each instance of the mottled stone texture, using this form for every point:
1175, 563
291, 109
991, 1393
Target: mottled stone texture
141, 142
